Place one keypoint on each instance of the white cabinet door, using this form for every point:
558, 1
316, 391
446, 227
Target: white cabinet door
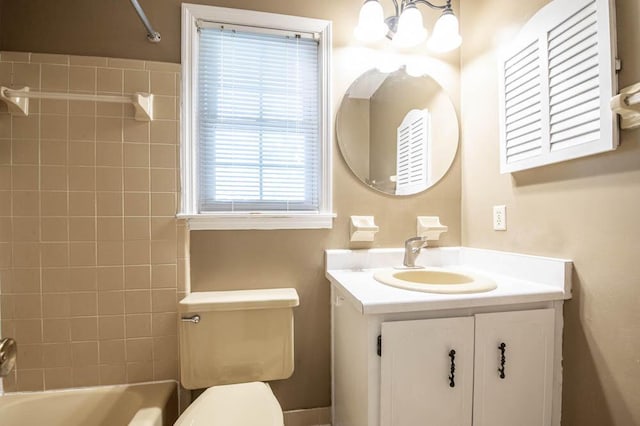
522, 395
417, 385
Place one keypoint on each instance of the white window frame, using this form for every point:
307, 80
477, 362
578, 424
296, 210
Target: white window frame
323, 218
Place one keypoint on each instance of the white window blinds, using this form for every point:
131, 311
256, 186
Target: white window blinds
258, 141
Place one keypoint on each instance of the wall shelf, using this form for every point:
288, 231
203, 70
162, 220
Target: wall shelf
17, 101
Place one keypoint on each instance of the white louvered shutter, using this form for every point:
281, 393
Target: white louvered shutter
412, 158
258, 137
556, 81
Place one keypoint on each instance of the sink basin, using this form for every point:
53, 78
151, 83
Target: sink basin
435, 280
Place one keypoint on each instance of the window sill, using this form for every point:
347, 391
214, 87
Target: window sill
222, 221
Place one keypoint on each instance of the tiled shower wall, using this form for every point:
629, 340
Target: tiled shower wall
92, 258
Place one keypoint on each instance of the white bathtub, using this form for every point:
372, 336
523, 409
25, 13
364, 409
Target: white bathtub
146, 404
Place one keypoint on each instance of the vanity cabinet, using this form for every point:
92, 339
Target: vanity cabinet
438, 369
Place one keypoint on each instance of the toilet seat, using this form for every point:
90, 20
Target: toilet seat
250, 404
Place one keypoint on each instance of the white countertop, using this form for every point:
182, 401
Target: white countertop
519, 278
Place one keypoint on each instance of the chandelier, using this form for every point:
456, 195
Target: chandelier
405, 27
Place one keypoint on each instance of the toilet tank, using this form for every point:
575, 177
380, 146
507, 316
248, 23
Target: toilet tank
236, 336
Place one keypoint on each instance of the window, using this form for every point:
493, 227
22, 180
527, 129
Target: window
256, 150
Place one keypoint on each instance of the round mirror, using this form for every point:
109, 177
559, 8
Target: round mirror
397, 133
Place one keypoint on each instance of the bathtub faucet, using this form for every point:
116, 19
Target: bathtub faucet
412, 248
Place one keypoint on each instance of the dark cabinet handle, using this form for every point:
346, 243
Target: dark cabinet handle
452, 355
503, 359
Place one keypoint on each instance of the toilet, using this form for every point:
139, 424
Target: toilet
230, 342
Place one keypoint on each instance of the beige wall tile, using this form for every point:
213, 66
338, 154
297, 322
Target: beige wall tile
164, 324
54, 254
112, 351
22, 151
136, 155
52, 106
164, 132
165, 347
135, 131
53, 203
137, 277
82, 108
110, 278
138, 325
111, 327
56, 305
7, 56
54, 126
54, 77
84, 304
164, 276
139, 349
5, 177
57, 378
125, 63
28, 331
136, 179
82, 128
82, 178
31, 356
53, 178
163, 228
108, 154
47, 58
136, 81
82, 203
88, 61
163, 251
164, 108
56, 330
84, 328
163, 83
28, 306
109, 129
110, 229
26, 255
109, 203
162, 66
56, 355
24, 229
25, 280
54, 228
25, 127
53, 152
82, 254
107, 109
82, 279
82, 228
136, 203
26, 75
163, 300
163, 156
111, 303
163, 180
109, 80
137, 301
165, 369
5, 201
82, 79
55, 280
5, 151
137, 228
110, 253
108, 178
24, 177
113, 374
137, 252
84, 354
82, 153
138, 372
86, 376
30, 380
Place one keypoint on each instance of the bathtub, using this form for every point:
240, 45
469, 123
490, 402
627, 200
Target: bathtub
146, 404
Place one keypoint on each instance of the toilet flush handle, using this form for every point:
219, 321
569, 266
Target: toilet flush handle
194, 319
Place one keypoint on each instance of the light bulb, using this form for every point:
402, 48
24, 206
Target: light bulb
371, 26
411, 31
446, 36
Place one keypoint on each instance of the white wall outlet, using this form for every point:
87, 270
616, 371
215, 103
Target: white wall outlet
500, 218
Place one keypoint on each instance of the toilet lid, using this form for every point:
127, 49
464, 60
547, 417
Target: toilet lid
251, 404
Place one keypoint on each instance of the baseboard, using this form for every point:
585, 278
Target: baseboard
320, 416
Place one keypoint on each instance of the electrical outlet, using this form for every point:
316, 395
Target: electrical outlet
500, 218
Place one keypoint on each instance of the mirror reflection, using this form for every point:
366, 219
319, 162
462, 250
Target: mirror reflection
397, 133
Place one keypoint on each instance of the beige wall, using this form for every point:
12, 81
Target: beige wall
92, 259
585, 210
254, 259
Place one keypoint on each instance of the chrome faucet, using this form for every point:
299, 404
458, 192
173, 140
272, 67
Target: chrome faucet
412, 248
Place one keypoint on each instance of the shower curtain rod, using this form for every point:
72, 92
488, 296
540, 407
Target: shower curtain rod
152, 35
